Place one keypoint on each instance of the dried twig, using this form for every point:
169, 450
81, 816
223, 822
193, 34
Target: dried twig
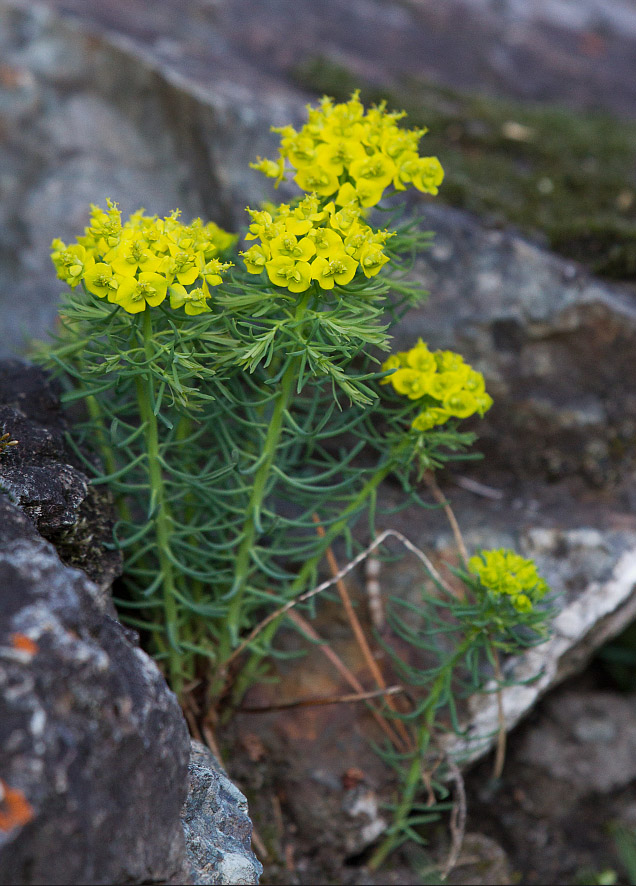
350, 678
195, 732
374, 591
480, 488
359, 634
325, 700
457, 820
211, 743
387, 533
438, 495
500, 753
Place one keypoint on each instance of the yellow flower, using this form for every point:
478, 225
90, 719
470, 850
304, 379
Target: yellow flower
484, 402
460, 403
430, 418
392, 362
345, 220
410, 382
338, 155
133, 294
69, 261
183, 267
326, 241
372, 259
289, 246
302, 152
449, 361
101, 281
132, 255
270, 168
195, 301
284, 271
376, 171
340, 268
255, 259
420, 358
211, 271
505, 574
317, 180
105, 227
474, 382
445, 383
428, 175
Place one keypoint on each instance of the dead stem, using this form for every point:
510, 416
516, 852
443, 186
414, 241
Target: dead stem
359, 634
438, 495
500, 753
387, 533
325, 700
350, 678
457, 820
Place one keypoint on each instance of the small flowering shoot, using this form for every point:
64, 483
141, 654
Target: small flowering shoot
245, 412
506, 578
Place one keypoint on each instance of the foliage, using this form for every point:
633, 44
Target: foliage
239, 406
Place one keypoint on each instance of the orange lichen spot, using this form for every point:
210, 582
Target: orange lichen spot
24, 643
15, 809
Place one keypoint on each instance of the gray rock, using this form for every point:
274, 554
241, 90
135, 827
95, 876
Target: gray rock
216, 825
576, 54
586, 740
94, 742
47, 480
94, 745
87, 116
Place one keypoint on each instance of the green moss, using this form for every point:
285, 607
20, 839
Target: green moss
567, 177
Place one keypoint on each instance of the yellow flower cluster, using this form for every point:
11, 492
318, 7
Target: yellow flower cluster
344, 160
506, 574
144, 260
447, 386
353, 156
308, 242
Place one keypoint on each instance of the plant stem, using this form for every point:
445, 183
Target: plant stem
257, 496
247, 672
414, 774
161, 515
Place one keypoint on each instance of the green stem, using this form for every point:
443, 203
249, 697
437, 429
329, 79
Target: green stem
161, 515
413, 778
247, 673
106, 450
257, 496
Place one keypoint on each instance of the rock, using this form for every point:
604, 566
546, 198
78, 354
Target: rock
575, 54
94, 741
94, 745
216, 825
481, 862
585, 740
87, 116
47, 480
